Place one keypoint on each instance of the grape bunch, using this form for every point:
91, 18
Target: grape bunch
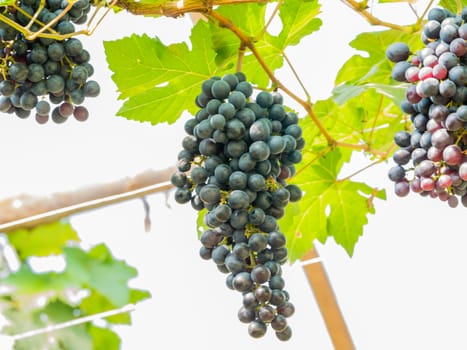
432, 159
46, 76
236, 158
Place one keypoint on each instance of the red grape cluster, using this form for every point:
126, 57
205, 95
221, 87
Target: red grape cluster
431, 159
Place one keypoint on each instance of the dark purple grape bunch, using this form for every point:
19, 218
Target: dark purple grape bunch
432, 157
235, 161
46, 77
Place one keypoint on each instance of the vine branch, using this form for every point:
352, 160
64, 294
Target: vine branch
245, 40
362, 9
175, 8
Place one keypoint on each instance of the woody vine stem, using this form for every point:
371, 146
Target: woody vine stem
206, 8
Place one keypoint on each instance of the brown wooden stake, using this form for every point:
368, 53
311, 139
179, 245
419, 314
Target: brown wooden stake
327, 302
25, 210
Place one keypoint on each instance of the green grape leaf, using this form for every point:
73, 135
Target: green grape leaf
344, 92
450, 5
200, 225
42, 240
137, 295
96, 269
104, 338
374, 67
27, 282
330, 207
56, 312
298, 20
369, 118
100, 271
159, 82
95, 303
250, 19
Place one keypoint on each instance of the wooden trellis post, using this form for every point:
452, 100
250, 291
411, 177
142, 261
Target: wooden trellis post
326, 300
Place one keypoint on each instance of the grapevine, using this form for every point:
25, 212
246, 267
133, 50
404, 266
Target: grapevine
44, 69
235, 161
434, 151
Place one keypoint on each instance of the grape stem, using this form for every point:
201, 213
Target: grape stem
362, 9
427, 8
297, 77
241, 55
307, 105
46, 30
273, 14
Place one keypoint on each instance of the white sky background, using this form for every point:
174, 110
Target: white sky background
403, 288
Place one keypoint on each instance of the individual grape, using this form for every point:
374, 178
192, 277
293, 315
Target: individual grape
246, 315
256, 182
257, 242
65, 109
448, 60
220, 89
42, 119
263, 294
43, 108
437, 14
441, 138
91, 88
231, 79
210, 194
237, 99
452, 155
285, 334
28, 100
396, 173
73, 47
5, 104
65, 27
7, 87
264, 99
447, 88
38, 54
397, 52
79, 74
463, 171
245, 88
257, 329
238, 199
219, 254
432, 29
57, 117
242, 281
18, 72
448, 32
56, 51
235, 129
399, 69
36, 72
401, 188
55, 83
